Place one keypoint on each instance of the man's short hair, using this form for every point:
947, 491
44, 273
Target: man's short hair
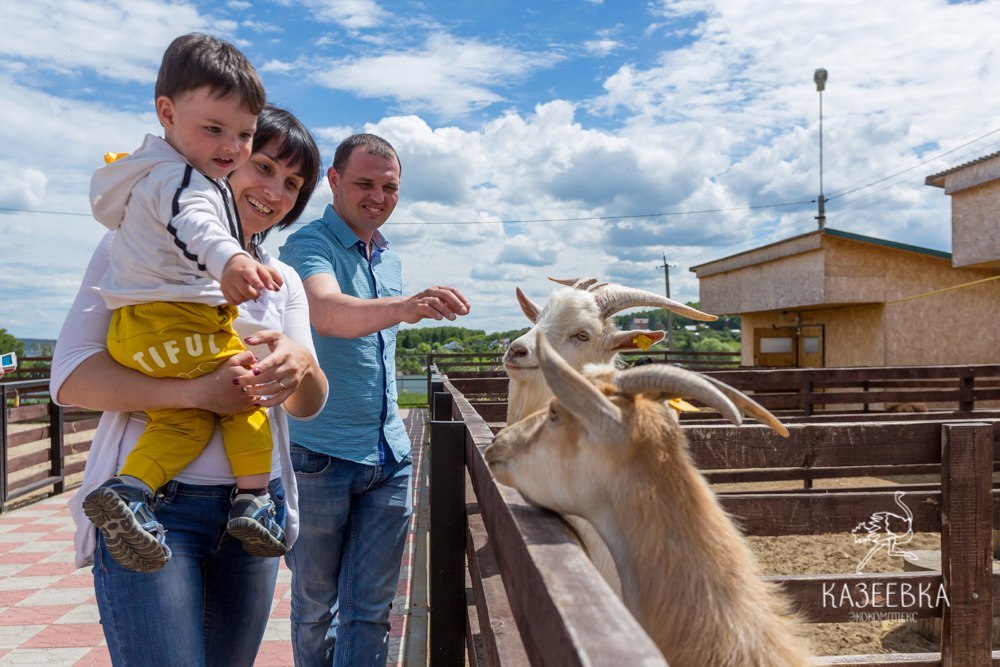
374, 144
196, 60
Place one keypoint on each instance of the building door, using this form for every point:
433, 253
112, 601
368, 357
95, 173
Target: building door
810, 346
774, 347
800, 347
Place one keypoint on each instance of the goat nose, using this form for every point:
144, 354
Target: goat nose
517, 350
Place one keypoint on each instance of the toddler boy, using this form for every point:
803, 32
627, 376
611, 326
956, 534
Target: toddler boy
178, 267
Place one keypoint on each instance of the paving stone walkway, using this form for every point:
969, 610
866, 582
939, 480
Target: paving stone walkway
48, 614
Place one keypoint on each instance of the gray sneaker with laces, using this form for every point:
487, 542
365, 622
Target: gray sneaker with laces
252, 522
133, 536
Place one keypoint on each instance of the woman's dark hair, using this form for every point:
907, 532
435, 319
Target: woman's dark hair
295, 146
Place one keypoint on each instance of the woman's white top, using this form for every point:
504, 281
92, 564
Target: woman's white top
85, 332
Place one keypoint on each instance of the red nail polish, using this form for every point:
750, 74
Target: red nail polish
256, 370
235, 381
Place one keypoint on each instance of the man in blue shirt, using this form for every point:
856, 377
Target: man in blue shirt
352, 463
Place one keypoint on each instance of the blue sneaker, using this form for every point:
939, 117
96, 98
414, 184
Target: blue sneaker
135, 539
251, 521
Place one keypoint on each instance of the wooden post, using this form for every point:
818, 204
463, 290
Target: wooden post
966, 399
447, 544
57, 455
441, 405
3, 451
966, 548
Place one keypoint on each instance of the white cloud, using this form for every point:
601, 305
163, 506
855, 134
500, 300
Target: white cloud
118, 39
446, 76
351, 14
602, 47
20, 186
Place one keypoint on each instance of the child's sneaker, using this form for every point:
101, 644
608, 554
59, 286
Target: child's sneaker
135, 539
251, 521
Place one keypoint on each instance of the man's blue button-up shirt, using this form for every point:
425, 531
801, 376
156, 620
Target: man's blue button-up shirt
361, 417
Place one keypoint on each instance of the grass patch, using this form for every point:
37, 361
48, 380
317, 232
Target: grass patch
409, 399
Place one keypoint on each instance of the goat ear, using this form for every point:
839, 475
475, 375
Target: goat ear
528, 307
576, 283
750, 407
595, 411
636, 339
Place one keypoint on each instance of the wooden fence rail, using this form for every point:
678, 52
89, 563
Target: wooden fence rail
541, 602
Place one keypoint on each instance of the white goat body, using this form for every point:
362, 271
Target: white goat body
610, 451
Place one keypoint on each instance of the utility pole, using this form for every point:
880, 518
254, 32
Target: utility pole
670, 314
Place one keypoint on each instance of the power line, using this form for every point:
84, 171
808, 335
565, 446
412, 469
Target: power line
662, 214
606, 217
919, 164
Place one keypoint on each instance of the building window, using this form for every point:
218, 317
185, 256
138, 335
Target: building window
769, 345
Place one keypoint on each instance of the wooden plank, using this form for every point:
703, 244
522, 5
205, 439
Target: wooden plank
820, 513
26, 461
809, 445
480, 385
26, 436
27, 413
491, 411
883, 660
502, 643
850, 598
966, 544
779, 474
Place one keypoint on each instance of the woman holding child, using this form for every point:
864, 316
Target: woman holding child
209, 603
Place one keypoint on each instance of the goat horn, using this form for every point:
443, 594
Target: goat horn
614, 298
679, 382
528, 307
750, 407
585, 401
575, 283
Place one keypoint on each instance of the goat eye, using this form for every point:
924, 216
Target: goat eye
583, 336
553, 415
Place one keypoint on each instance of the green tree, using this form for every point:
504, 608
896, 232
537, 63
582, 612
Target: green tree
9, 343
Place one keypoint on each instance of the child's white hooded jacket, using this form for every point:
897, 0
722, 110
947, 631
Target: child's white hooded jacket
175, 228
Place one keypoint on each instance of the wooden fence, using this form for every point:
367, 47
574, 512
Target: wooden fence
39, 450
537, 600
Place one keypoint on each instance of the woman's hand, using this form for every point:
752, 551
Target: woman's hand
221, 391
272, 381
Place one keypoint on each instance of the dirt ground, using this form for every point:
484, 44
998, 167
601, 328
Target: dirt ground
839, 554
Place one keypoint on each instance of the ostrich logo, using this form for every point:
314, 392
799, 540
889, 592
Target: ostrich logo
886, 530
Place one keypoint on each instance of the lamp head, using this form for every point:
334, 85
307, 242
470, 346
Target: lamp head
820, 78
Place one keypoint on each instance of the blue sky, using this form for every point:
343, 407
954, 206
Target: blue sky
567, 137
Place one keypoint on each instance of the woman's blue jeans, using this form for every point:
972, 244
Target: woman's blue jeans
345, 563
209, 604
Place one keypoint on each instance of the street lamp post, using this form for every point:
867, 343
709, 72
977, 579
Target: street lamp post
819, 78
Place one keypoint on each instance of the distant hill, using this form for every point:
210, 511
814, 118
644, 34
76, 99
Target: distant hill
38, 347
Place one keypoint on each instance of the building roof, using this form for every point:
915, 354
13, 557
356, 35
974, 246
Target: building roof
937, 180
839, 234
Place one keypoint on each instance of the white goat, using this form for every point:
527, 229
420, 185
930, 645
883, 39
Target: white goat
609, 450
578, 323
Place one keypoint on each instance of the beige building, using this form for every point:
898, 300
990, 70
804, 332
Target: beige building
833, 298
